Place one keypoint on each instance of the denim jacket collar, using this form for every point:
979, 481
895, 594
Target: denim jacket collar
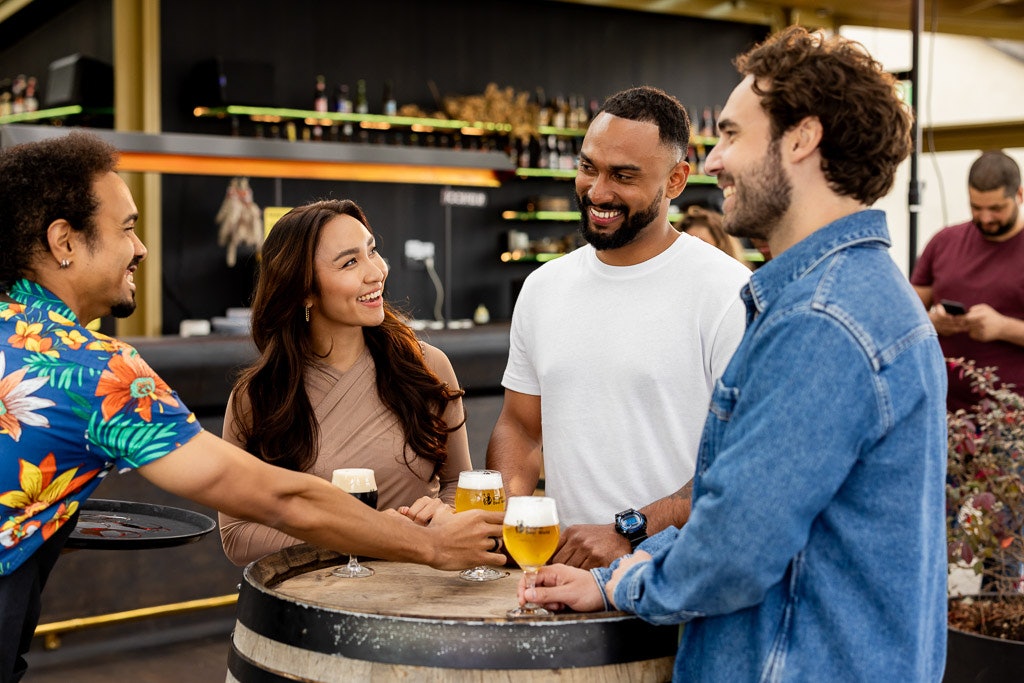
794, 263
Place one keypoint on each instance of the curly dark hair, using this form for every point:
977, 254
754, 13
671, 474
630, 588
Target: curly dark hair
995, 170
281, 427
866, 126
43, 182
651, 105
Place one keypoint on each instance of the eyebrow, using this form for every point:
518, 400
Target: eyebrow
726, 123
622, 167
355, 250
133, 218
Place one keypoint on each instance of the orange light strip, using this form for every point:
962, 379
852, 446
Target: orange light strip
147, 162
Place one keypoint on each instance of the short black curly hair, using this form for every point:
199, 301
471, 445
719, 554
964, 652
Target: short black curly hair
41, 182
652, 105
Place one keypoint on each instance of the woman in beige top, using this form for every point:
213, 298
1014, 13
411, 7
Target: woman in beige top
371, 394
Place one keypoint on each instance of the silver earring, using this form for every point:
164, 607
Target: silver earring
64, 263
307, 314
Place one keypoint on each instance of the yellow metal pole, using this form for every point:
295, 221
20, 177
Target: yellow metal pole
137, 108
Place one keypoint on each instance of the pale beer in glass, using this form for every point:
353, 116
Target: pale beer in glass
531, 537
480, 490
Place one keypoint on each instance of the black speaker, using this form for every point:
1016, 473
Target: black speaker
218, 82
78, 79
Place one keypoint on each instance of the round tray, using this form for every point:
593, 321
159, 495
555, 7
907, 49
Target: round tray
126, 525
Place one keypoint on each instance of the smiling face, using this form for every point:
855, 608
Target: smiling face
749, 167
626, 177
350, 276
104, 263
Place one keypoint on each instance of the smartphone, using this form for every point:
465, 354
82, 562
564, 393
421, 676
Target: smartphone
953, 307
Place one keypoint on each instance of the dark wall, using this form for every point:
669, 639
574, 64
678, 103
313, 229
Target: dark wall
461, 46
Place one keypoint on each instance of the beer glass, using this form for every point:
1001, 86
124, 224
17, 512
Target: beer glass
480, 490
531, 536
360, 483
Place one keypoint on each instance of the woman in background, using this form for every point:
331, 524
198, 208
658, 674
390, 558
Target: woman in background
340, 380
707, 225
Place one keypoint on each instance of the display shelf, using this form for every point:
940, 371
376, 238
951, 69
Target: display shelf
233, 156
570, 173
369, 121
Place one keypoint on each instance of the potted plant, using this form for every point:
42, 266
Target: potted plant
985, 527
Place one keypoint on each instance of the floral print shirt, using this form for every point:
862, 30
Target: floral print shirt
73, 405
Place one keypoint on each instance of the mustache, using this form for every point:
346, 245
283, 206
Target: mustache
585, 202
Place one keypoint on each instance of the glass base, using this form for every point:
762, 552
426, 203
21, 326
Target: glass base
528, 610
351, 571
482, 574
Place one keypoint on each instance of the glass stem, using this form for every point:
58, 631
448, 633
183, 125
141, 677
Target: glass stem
353, 563
531, 582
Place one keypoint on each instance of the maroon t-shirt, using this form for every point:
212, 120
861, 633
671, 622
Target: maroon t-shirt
961, 265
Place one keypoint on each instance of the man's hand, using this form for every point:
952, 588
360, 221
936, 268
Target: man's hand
627, 562
559, 586
984, 323
946, 324
424, 509
466, 539
590, 545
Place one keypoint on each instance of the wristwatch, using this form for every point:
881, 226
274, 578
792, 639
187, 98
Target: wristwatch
633, 525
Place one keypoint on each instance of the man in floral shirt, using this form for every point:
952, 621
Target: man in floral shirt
75, 404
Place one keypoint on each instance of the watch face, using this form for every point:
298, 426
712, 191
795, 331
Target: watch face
630, 521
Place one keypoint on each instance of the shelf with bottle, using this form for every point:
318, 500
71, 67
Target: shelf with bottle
560, 216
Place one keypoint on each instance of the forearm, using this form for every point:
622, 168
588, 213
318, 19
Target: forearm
247, 541
672, 510
1012, 331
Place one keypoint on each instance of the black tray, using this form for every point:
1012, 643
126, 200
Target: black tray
125, 525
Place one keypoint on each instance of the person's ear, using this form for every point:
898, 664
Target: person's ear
677, 179
803, 139
59, 238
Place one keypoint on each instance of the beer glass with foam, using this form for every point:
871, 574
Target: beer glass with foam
480, 490
531, 536
360, 483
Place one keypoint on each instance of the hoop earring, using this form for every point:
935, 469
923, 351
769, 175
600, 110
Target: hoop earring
64, 263
307, 314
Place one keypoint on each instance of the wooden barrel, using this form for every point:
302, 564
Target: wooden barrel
297, 622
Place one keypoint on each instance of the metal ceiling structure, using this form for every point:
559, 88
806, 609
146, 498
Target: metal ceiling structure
986, 18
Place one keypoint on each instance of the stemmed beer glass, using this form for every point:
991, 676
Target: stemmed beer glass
531, 536
360, 483
480, 490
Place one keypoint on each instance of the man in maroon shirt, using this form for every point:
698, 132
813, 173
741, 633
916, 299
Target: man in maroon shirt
980, 266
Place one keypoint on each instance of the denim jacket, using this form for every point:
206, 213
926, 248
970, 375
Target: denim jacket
815, 550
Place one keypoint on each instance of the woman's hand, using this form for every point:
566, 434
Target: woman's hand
423, 510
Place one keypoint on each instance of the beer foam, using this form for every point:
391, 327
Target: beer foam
354, 480
533, 511
480, 480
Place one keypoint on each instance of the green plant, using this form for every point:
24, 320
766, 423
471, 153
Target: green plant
985, 503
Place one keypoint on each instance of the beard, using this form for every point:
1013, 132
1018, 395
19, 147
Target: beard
762, 195
1002, 228
124, 309
632, 224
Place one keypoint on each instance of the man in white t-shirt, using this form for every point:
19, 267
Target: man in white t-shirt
616, 346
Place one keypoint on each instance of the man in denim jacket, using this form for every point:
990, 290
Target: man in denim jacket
815, 550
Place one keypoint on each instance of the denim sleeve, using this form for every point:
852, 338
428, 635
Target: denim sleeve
652, 545
775, 450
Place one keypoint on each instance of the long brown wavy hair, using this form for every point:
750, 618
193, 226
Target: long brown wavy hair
281, 427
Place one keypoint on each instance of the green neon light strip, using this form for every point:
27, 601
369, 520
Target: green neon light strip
55, 113
285, 113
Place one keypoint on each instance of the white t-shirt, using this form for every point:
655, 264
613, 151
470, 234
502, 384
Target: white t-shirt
624, 359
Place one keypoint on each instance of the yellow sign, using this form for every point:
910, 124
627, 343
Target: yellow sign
271, 215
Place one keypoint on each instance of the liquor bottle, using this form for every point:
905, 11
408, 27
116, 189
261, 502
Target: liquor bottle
343, 105
18, 94
319, 104
31, 102
707, 123
559, 112
554, 159
362, 104
543, 110
362, 107
389, 105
